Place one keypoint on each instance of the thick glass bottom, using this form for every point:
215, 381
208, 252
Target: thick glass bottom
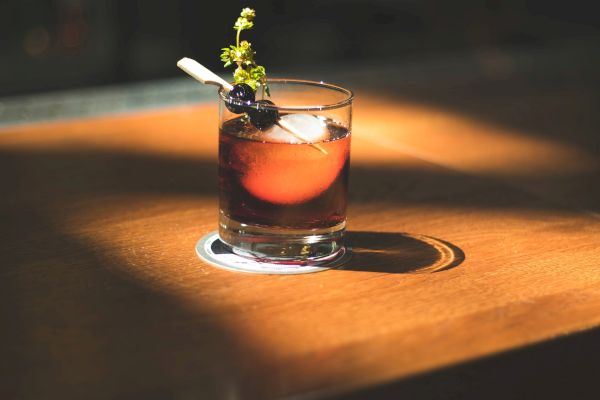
284, 245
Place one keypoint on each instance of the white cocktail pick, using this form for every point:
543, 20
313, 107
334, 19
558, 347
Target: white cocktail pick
202, 74
206, 76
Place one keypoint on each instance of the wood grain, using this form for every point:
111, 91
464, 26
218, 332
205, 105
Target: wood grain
102, 295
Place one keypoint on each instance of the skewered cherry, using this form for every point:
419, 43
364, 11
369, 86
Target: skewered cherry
261, 117
241, 92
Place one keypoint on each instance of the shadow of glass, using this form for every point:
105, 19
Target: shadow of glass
393, 252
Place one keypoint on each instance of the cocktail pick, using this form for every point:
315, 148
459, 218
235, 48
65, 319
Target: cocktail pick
202, 74
206, 76
290, 129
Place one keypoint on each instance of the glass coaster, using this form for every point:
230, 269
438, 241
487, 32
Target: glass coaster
210, 249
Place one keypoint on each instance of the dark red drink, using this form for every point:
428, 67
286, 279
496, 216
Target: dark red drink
283, 185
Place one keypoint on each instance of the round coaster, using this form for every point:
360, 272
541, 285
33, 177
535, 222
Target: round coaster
210, 249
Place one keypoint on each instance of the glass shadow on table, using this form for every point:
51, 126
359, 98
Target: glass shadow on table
395, 252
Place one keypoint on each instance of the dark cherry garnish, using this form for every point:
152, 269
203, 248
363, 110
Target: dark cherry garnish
263, 118
240, 92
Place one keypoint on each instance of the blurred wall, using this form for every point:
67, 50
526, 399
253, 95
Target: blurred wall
48, 45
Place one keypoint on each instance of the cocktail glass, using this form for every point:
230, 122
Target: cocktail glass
283, 189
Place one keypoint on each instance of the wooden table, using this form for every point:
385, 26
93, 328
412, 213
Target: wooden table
102, 295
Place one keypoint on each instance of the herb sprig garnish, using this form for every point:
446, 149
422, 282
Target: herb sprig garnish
242, 55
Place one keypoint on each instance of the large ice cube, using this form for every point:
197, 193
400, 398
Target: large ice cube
311, 129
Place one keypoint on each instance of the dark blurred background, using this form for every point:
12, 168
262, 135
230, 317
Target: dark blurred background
49, 45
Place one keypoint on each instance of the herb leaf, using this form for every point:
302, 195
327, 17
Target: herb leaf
242, 55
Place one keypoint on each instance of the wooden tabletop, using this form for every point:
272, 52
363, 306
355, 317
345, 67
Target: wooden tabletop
103, 296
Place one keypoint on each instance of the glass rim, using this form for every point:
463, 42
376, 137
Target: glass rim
312, 107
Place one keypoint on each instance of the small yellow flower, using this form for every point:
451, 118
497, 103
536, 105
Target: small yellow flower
248, 13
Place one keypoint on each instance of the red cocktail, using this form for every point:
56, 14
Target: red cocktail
283, 191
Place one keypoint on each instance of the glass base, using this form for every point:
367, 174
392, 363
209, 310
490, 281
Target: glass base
212, 250
284, 245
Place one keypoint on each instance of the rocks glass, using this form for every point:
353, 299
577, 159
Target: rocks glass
283, 188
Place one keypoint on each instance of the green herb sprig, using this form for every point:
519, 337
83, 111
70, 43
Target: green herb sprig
242, 55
